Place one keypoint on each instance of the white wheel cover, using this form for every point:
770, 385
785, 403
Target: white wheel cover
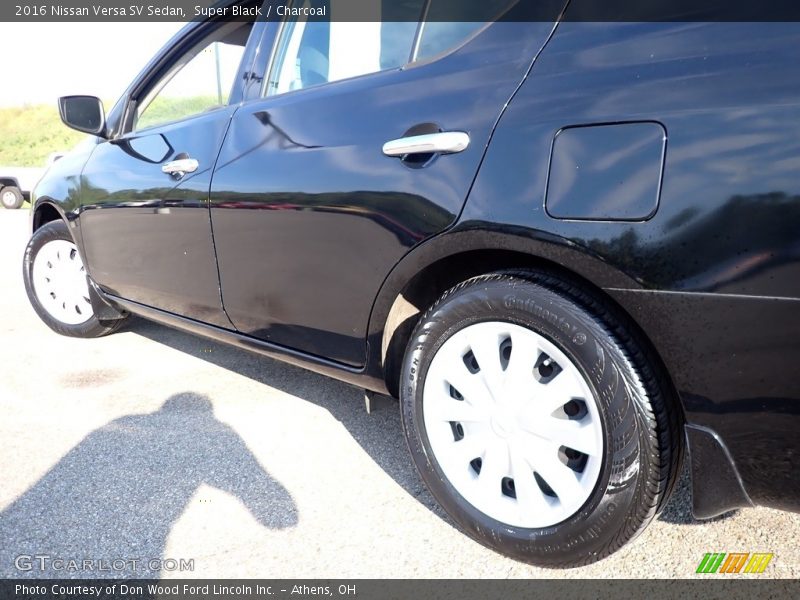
502, 434
59, 281
9, 198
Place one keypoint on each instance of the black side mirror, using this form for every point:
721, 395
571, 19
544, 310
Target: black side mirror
84, 113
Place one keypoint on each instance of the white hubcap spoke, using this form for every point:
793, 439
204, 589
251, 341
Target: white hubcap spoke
494, 466
454, 372
563, 432
561, 479
459, 411
59, 280
519, 372
467, 450
485, 346
563, 388
513, 424
530, 497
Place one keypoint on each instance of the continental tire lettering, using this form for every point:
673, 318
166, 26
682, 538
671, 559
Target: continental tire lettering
531, 306
591, 533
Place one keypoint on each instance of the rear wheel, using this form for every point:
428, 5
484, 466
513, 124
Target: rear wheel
11, 197
537, 420
56, 283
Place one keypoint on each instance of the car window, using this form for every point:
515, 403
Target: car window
449, 23
201, 80
314, 52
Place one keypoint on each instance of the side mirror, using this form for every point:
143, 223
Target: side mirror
84, 113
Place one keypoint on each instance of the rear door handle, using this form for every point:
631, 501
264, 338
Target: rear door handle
445, 142
180, 167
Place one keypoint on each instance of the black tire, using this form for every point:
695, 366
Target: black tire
638, 414
11, 197
92, 328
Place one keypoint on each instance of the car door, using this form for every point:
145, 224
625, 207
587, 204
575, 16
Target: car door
144, 193
310, 211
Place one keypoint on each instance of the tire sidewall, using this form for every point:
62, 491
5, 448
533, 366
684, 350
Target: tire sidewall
617, 390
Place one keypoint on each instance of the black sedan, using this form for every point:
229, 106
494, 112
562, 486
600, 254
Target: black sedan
570, 249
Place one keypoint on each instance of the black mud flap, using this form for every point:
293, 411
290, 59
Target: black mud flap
103, 309
716, 485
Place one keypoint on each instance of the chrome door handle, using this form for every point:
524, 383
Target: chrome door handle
446, 142
180, 167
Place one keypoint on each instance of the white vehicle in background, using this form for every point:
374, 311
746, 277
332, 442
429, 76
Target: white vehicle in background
16, 183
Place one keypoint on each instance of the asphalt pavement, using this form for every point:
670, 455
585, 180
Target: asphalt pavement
201, 460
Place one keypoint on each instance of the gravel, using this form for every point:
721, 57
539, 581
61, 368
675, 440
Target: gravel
155, 444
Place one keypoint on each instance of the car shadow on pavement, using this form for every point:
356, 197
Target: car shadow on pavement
117, 494
380, 433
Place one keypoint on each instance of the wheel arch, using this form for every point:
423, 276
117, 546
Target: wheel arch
8, 181
44, 212
442, 262
436, 266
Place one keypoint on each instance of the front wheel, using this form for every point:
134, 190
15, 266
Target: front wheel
536, 419
55, 280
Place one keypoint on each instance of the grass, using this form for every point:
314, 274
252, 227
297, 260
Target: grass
29, 134
164, 110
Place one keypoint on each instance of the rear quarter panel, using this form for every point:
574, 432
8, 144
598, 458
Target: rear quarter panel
713, 276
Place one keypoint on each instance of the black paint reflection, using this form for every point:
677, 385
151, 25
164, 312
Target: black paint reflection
739, 245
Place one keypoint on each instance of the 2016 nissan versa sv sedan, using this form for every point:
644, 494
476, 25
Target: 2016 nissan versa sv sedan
570, 249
